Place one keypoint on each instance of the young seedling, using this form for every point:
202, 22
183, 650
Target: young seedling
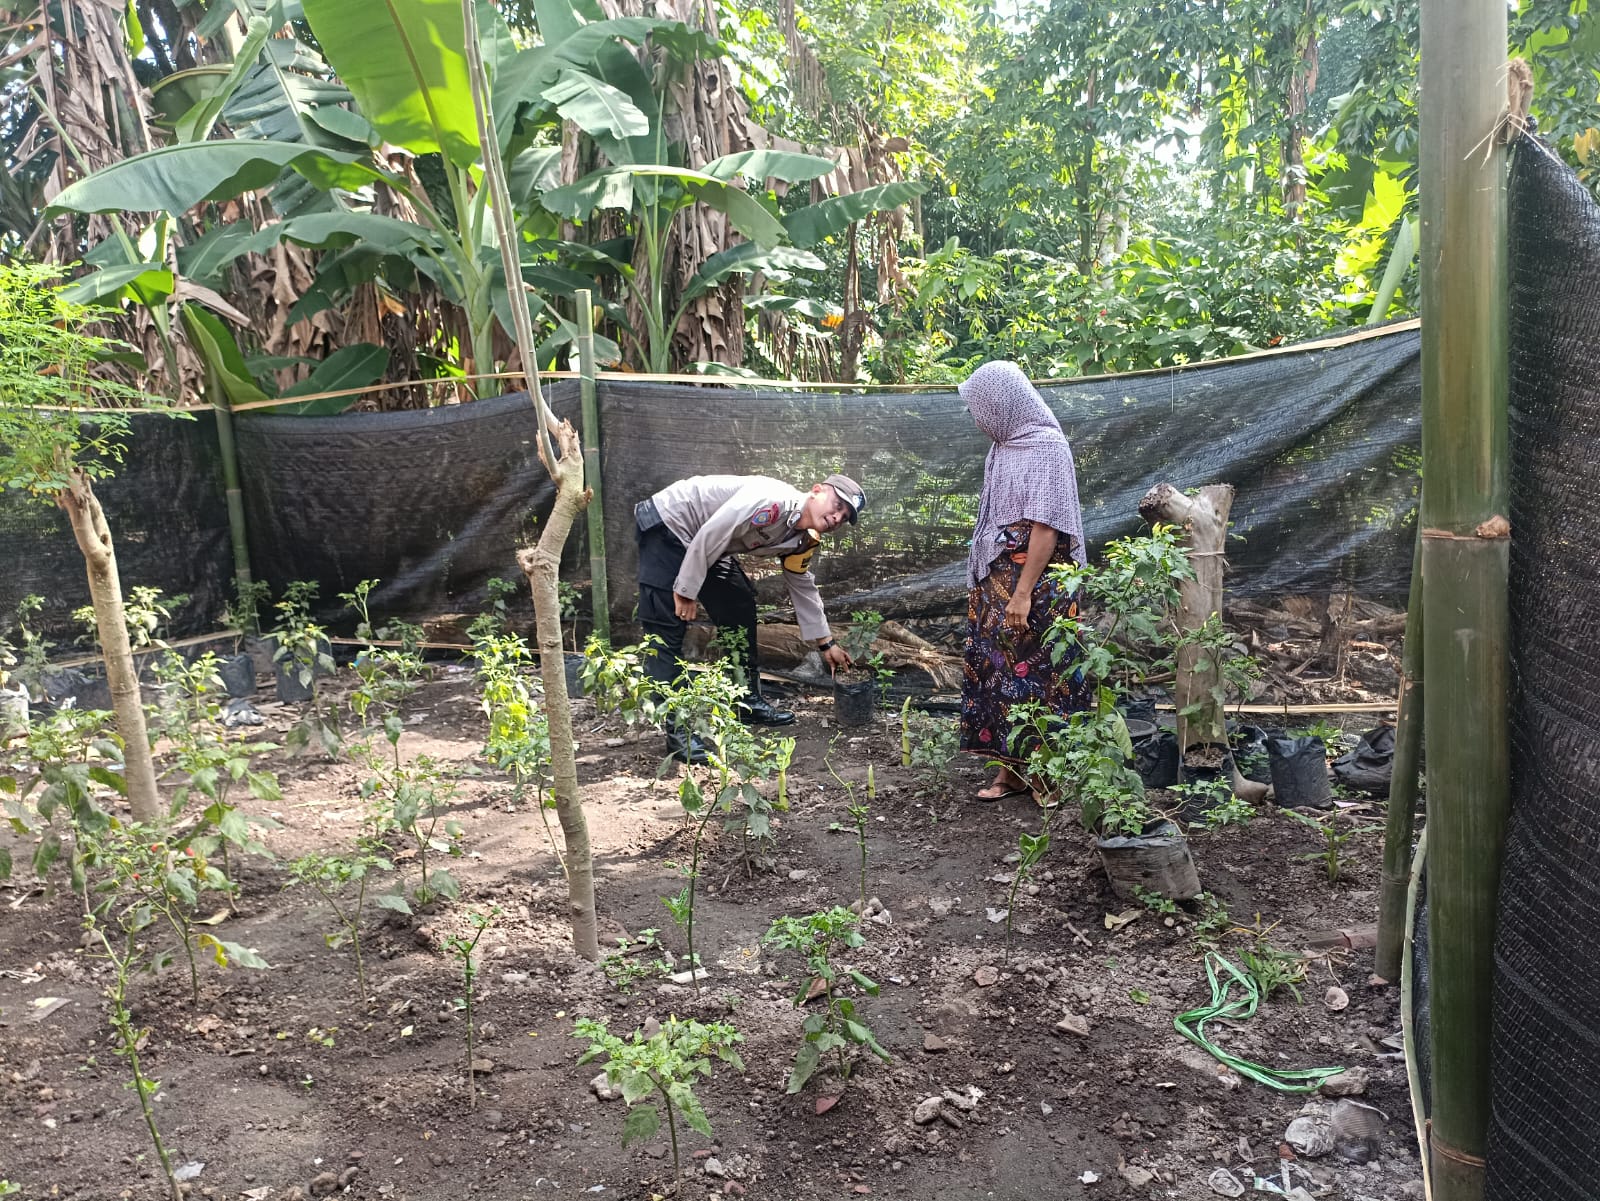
332, 877
1225, 809
1331, 856
415, 800
666, 1064
1272, 969
928, 745
1033, 848
616, 681
840, 1025
463, 948
519, 731
629, 963
1155, 902
300, 646
1212, 924
123, 954
386, 675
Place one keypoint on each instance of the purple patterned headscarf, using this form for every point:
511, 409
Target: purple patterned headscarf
1028, 475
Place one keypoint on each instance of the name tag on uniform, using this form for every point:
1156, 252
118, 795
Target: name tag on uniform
799, 561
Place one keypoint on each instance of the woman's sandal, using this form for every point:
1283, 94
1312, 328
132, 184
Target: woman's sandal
1047, 802
999, 796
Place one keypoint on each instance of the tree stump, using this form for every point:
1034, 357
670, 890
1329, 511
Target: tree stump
1204, 520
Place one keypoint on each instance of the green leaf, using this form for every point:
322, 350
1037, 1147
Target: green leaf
689, 1107
196, 124
636, 1085
595, 106
613, 188
174, 179
775, 262
769, 164
444, 883
5, 863
221, 355
145, 282
865, 983
226, 953
47, 853
356, 366
812, 224
641, 1123
805, 1065
405, 63
389, 900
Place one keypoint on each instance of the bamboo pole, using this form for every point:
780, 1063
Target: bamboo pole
1465, 559
237, 530
1402, 787
599, 594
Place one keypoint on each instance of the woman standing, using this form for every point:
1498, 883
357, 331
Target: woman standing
1028, 519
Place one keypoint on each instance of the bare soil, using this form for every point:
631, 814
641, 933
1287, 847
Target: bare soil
1129, 1110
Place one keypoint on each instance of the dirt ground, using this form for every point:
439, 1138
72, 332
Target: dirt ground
1125, 1108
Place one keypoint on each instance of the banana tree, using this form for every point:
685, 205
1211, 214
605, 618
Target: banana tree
403, 64
646, 178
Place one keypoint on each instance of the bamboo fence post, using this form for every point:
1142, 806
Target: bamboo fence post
1402, 787
238, 532
599, 593
1465, 559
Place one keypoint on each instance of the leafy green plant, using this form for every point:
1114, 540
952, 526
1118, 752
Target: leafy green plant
301, 649
567, 600
145, 611
386, 675
67, 755
1225, 809
861, 633
1272, 969
839, 1026
928, 745
1217, 650
496, 619
1156, 903
1086, 757
333, 877
464, 948
151, 880
210, 769
519, 730
629, 963
243, 612
415, 800
1323, 730
1334, 839
1212, 924
615, 680
26, 661
666, 1064
1031, 848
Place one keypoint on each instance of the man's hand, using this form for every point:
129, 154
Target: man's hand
835, 657
686, 609
1017, 610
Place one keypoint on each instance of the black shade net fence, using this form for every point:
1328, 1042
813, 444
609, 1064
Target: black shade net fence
1321, 443
1544, 1137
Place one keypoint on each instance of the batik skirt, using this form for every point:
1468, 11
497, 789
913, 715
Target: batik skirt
1006, 667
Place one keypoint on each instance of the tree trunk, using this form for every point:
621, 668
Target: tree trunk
105, 590
542, 564
1204, 518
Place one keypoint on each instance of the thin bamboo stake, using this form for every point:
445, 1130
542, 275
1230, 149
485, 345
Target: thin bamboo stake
1419, 1119
599, 593
1402, 788
1465, 560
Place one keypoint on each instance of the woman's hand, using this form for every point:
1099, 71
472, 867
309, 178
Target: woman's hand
1017, 610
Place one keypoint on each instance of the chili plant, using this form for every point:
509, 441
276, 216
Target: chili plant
300, 647
615, 680
519, 731
816, 937
666, 1064
68, 754
333, 876
1331, 856
386, 675
464, 948
415, 799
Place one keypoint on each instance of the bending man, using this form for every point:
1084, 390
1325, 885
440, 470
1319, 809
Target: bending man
689, 533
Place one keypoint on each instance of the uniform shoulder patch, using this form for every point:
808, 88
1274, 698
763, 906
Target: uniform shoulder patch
766, 514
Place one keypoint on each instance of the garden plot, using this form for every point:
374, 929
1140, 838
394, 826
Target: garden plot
1054, 1070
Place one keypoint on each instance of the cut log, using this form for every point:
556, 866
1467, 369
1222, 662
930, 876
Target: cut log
782, 646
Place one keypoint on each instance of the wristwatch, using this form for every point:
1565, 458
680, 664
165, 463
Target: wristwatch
828, 645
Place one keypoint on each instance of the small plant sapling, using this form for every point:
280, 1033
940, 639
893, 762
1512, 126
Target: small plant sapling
464, 948
496, 619
211, 768
1155, 902
665, 1065
1334, 838
928, 746
1226, 809
385, 675
1032, 848
839, 1026
415, 800
30, 654
158, 881
122, 950
73, 760
615, 680
1212, 924
631, 961
333, 877
861, 633
519, 731
858, 821
567, 600
1271, 969
301, 649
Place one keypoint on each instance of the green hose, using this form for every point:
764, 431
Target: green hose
1223, 1007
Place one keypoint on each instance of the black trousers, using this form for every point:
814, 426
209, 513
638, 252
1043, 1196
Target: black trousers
728, 596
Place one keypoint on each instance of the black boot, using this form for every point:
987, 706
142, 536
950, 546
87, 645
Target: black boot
686, 748
756, 710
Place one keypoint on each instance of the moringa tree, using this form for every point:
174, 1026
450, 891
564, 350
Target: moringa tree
55, 442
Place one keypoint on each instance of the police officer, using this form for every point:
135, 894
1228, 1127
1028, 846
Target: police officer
689, 533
